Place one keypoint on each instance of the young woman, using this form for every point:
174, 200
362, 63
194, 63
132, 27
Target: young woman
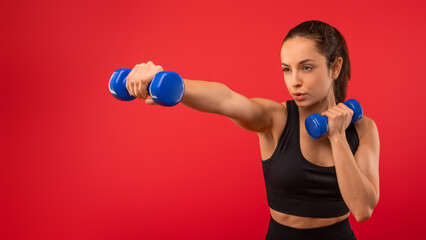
312, 185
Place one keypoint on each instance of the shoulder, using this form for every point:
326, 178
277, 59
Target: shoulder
269, 103
366, 127
276, 111
271, 107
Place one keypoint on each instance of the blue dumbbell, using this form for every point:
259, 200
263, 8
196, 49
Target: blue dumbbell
166, 88
317, 125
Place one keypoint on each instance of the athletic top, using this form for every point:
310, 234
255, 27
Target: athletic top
298, 187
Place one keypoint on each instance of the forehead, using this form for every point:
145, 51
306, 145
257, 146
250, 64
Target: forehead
297, 49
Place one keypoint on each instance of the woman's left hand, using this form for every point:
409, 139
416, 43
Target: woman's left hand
339, 118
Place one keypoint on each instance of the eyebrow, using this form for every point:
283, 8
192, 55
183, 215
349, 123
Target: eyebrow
303, 61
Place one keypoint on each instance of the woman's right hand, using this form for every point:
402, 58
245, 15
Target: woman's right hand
139, 79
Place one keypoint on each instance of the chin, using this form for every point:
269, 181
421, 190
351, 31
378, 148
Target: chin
303, 103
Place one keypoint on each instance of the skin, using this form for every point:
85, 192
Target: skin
358, 176
139, 78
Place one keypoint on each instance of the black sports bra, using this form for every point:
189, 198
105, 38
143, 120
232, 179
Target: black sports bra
296, 186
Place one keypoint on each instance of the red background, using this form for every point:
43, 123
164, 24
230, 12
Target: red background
78, 164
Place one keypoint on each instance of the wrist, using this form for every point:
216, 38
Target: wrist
337, 137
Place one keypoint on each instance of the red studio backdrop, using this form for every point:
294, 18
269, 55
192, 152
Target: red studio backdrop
78, 164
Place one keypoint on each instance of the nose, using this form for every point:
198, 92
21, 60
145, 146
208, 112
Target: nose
295, 81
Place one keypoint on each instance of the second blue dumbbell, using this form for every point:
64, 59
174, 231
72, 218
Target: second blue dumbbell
317, 125
166, 88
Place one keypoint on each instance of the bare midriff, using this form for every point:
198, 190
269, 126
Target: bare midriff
304, 222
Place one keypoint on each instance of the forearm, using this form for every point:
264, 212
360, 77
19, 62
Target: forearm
357, 191
205, 96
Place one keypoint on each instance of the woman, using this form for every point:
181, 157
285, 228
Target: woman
312, 185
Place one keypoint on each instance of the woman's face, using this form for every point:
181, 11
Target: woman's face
306, 74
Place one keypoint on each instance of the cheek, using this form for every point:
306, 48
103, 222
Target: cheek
323, 86
321, 81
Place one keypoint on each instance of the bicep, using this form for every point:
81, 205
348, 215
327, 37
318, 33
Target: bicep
367, 155
255, 114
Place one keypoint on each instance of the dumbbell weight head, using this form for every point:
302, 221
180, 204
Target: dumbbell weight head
166, 88
117, 84
316, 125
356, 107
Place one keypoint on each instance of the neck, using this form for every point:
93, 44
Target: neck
318, 107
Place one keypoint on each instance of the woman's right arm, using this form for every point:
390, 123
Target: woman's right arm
254, 114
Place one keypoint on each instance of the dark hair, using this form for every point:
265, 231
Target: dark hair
330, 43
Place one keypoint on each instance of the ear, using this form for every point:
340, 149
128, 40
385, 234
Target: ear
336, 67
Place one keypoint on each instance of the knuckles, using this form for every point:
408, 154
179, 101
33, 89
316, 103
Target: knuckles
141, 77
145, 72
339, 111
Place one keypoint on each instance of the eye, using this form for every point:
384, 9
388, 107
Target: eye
286, 69
307, 68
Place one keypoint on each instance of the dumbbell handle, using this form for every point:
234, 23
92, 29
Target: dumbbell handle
317, 125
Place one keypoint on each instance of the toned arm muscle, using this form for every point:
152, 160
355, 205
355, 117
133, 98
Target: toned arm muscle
254, 114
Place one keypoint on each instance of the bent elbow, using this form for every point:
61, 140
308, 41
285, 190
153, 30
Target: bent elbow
363, 216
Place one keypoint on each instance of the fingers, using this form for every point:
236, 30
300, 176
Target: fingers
128, 83
330, 113
345, 110
338, 111
139, 93
140, 77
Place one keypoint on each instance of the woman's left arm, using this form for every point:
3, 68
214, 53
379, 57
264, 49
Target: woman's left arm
358, 176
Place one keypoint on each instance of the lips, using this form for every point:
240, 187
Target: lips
299, 96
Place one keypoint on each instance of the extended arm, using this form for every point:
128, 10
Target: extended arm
254, 114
